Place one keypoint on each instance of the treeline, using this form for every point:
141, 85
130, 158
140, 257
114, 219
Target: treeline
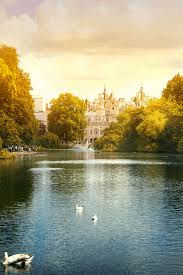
157, 127
17, 121
18, 125
66, 122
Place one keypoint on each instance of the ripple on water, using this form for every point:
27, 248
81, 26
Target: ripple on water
110, 161
44, 169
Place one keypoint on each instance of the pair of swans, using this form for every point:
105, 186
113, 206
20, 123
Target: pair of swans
80, 208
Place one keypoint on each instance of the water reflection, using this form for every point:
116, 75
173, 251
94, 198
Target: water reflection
8, 269
79, 213
137, 197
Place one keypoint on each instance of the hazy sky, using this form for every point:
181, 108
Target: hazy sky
78, 45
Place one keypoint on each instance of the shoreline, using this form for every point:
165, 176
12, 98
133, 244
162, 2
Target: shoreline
24, 153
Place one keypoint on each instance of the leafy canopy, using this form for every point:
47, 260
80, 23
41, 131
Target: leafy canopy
156, 127
16, 104
67, 117
174, 89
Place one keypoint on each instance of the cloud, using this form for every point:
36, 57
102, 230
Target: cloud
95, 27
7, 2
17, 31
78, 45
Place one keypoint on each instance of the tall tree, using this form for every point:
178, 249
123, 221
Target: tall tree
67, 117
174, 89
15, 99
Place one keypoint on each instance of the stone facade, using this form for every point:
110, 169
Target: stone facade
141, 98
100, 113
41, 110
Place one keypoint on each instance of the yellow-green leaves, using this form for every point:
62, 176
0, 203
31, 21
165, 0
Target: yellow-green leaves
152, 125
16, 103
67, 117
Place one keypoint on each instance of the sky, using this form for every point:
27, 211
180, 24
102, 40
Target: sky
79, 46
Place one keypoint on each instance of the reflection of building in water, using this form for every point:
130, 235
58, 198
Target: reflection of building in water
100, 113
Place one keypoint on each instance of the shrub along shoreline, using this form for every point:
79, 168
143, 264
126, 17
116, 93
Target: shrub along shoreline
5, 154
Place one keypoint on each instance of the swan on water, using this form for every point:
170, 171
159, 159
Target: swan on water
17, 259
79, 207
94, 218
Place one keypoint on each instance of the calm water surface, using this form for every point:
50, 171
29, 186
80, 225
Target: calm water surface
138, 199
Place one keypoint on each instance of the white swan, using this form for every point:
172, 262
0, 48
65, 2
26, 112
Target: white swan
94, 218
17, 259
79, 207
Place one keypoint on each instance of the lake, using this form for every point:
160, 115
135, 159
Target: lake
138, 199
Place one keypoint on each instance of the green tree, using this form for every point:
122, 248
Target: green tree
156, 127
9, 55
108, 143
174, 89
9, 129
48, 140
122, 134
15, 99
152, 125
1, 143
67, 117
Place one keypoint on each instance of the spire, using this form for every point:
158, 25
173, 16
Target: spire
104, 89
104, 93
141, 86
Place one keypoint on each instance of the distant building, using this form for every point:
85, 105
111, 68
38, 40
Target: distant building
105, 109
100, 113
39, 105
141, 98
40, 110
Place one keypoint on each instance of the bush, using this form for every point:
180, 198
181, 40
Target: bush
49, 140
4, 154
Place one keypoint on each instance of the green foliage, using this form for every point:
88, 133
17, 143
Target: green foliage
158, 127
1, 143
108, 143
9, 55
152, 125
48, 140
174, 89
180, 146
67, 117
16, 104
4, 154
9, 129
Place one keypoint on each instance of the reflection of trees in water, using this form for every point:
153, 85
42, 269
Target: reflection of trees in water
15, 186
164, 179
15, 193
166, 172
69, 180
